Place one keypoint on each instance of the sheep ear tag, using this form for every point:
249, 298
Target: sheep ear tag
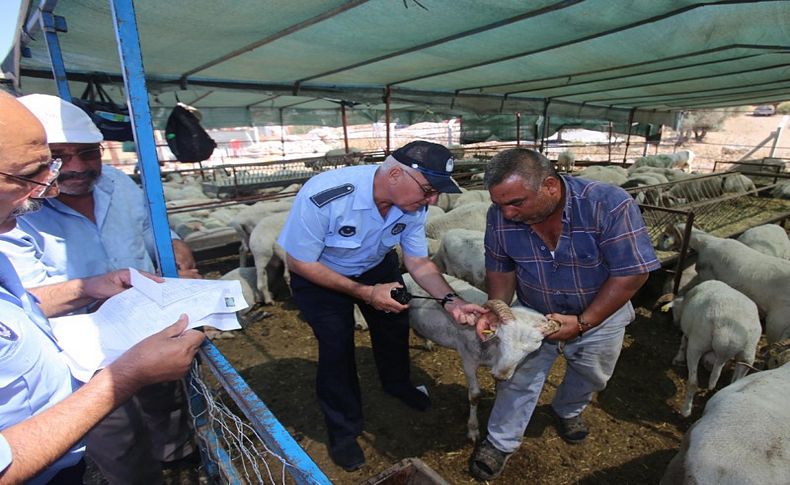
489, 335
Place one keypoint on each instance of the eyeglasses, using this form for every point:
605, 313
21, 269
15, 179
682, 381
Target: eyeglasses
89, 155
427, 191
54, 171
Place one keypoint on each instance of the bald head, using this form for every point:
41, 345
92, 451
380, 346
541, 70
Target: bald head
20, 131
24, 156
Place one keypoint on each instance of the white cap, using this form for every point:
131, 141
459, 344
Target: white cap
63, 121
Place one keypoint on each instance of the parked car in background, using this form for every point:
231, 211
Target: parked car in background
764, 110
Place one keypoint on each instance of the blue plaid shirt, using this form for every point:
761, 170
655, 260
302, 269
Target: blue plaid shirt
603, 235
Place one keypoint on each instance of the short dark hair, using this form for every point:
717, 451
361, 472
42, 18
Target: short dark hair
530, 165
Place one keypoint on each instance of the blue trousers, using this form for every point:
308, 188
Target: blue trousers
331, 316
590, 363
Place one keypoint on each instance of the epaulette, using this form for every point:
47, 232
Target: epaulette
326, 196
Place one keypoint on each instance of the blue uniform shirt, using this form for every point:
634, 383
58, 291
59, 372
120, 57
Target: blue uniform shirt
335, 221
58, 243
33, 374
603, 235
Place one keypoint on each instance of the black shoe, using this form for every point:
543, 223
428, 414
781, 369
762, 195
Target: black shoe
347, 455
572, 430
411, 396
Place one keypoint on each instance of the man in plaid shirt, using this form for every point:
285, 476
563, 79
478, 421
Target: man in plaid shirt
576, 250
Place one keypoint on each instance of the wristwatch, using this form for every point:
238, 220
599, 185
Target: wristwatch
448, 298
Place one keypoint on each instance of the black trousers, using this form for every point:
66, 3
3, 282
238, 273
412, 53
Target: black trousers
69, 476
331, 316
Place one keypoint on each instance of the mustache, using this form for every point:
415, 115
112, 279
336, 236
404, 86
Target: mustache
86, 175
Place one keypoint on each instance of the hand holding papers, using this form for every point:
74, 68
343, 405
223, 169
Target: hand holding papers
92, 341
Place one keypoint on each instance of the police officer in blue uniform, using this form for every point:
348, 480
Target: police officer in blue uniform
340, 238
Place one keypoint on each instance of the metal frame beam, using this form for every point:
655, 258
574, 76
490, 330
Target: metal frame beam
664, 83
685, 55
277, 35
443, 40
630, 99
604, 33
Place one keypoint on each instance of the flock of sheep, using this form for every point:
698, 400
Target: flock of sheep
741, 436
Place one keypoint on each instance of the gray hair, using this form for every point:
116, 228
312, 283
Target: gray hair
530, 165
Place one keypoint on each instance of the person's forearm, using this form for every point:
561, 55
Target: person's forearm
614, 293
61, 298
39, 441
321, 275
427, 275
501, 286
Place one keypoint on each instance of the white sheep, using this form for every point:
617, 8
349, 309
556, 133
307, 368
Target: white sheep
267, 254
762, 278
737, 184
467, 216
781, 191
248, 217
249, 287
462, 254
446, 200
520, 334
472, 197
610, 174
566, 161
742, 436
680, 160
769, 239
715, 318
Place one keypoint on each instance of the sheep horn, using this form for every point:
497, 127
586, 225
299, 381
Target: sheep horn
549, 327
501, 309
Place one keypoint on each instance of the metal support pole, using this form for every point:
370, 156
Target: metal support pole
611, 129
535, 135
518, 129
387, 119
51, 25
126, 32
778, 134
282, 133
628, 137
647, 134
345, 125
544, 132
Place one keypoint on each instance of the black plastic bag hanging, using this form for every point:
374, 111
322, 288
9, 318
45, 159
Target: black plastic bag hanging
111, 118
188, 141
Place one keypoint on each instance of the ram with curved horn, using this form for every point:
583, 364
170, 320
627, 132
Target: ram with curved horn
520, 333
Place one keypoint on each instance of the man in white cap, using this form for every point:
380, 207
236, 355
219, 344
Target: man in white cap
43, 416
99, 223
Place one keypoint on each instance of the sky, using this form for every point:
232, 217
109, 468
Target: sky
9, 11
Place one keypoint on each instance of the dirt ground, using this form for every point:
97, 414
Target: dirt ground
635, 426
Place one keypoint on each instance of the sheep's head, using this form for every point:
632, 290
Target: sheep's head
520, 332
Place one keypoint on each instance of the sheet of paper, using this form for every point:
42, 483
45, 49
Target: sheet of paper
94, 340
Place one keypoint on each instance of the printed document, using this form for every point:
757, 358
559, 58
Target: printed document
94, 340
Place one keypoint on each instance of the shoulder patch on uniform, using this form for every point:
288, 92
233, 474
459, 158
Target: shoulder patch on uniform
326, 196
347, 231
7, 333
398, 228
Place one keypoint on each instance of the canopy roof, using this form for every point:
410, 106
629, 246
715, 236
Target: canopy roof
241, 62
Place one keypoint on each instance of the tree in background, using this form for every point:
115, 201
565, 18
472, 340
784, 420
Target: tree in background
701, 122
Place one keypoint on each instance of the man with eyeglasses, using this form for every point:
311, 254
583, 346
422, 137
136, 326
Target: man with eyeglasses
44, 412
340, 238
96, 224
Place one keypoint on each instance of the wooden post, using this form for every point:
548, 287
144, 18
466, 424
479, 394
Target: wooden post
611, 128
387, 119
345, 124
545, 130
628, 137
518, 129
